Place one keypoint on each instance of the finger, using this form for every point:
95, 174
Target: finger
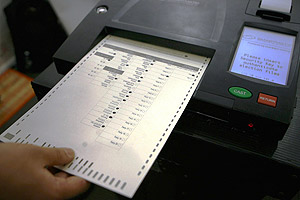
53, 170
61, 175
58, 156
71, 186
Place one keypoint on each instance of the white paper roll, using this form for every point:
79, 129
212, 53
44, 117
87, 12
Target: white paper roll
277, 5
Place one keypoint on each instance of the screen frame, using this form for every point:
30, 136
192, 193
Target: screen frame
266, 27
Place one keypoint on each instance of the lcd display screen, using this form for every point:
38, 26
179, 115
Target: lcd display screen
264, 55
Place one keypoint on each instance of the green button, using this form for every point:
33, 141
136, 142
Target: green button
240, 92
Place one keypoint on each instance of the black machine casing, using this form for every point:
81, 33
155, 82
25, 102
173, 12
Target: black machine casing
208, 28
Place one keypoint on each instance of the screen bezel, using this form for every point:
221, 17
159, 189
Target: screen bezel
266, 27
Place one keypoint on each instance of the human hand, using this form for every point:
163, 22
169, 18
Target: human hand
24, 173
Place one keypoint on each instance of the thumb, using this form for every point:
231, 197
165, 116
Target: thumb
58, 156
70, 186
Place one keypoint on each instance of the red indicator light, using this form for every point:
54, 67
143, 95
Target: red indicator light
250, 125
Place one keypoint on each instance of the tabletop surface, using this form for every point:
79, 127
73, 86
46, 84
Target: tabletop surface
288, 149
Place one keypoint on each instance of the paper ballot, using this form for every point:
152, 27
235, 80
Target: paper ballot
115, 108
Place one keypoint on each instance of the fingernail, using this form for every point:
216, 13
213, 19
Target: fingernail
70, 153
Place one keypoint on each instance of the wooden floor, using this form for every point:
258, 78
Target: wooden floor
15, 92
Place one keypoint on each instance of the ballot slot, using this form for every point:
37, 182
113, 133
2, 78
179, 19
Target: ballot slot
160, 41
115, 108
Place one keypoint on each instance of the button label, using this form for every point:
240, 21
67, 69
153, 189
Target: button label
240, 92
267, 100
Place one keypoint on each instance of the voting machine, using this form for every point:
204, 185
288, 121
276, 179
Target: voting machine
250, 82
227, 69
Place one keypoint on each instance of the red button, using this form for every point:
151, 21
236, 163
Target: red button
267, 100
